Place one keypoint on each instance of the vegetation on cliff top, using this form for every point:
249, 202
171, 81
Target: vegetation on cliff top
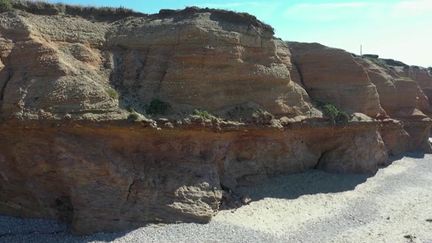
224, 15
203, 114
45, 8
335, 115
5, 5
113, 14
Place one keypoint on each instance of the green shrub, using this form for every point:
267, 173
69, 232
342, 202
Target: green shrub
133, 116
203, 114
112, 93
330, 111
5, 5
335, 115
342, 118
158, 107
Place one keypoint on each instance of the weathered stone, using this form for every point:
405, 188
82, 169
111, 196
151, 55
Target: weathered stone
331, 75
112, 178
110, 124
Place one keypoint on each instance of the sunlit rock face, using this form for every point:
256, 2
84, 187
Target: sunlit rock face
333, 76
113, 121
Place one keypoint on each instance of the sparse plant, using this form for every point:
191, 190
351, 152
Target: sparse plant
47, 8
133, 116
158, 107
342, 118
5, 5
335, 115
203, 114
112, 93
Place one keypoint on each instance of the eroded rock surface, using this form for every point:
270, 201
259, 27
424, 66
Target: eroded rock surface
332, 75
109, 124
112, 177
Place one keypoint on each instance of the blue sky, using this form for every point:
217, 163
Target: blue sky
399, 29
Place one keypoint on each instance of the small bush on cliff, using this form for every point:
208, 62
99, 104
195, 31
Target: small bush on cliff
5, 5
335, 115
342, 118
112, 93
133, 116
203, 114
158, 107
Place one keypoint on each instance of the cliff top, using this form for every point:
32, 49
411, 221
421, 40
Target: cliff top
113, 14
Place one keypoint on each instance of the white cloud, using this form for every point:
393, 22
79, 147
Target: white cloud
409, 8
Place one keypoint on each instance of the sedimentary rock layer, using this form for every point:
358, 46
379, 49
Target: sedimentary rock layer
332, 75
112, 123
113, 177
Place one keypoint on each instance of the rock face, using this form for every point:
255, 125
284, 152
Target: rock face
400, 88
377, 87
190, 59
112, 123
332, 75
114, 178
400, 96
195, 59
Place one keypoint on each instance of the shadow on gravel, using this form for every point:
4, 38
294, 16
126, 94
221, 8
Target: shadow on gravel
282, 187
415, 155
307, 183
14, 229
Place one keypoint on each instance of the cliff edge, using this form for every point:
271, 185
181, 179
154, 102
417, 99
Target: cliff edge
111, 120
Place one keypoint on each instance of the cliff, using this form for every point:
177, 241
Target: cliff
109, 122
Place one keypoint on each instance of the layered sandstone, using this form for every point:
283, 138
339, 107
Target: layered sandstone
79, 142
119, 176
402, 91
401, 96
376, 87
332, 75
190, 59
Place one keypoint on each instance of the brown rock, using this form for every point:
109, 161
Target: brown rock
332, 75
400, 96
75, 90
108, 178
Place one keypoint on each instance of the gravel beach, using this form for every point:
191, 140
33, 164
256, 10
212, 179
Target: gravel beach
395, 205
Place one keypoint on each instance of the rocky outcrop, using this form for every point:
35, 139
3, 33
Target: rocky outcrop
119, 176
191, 59
401, 92
400, 95
332, 75
423, 77
112, 123
377, 87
